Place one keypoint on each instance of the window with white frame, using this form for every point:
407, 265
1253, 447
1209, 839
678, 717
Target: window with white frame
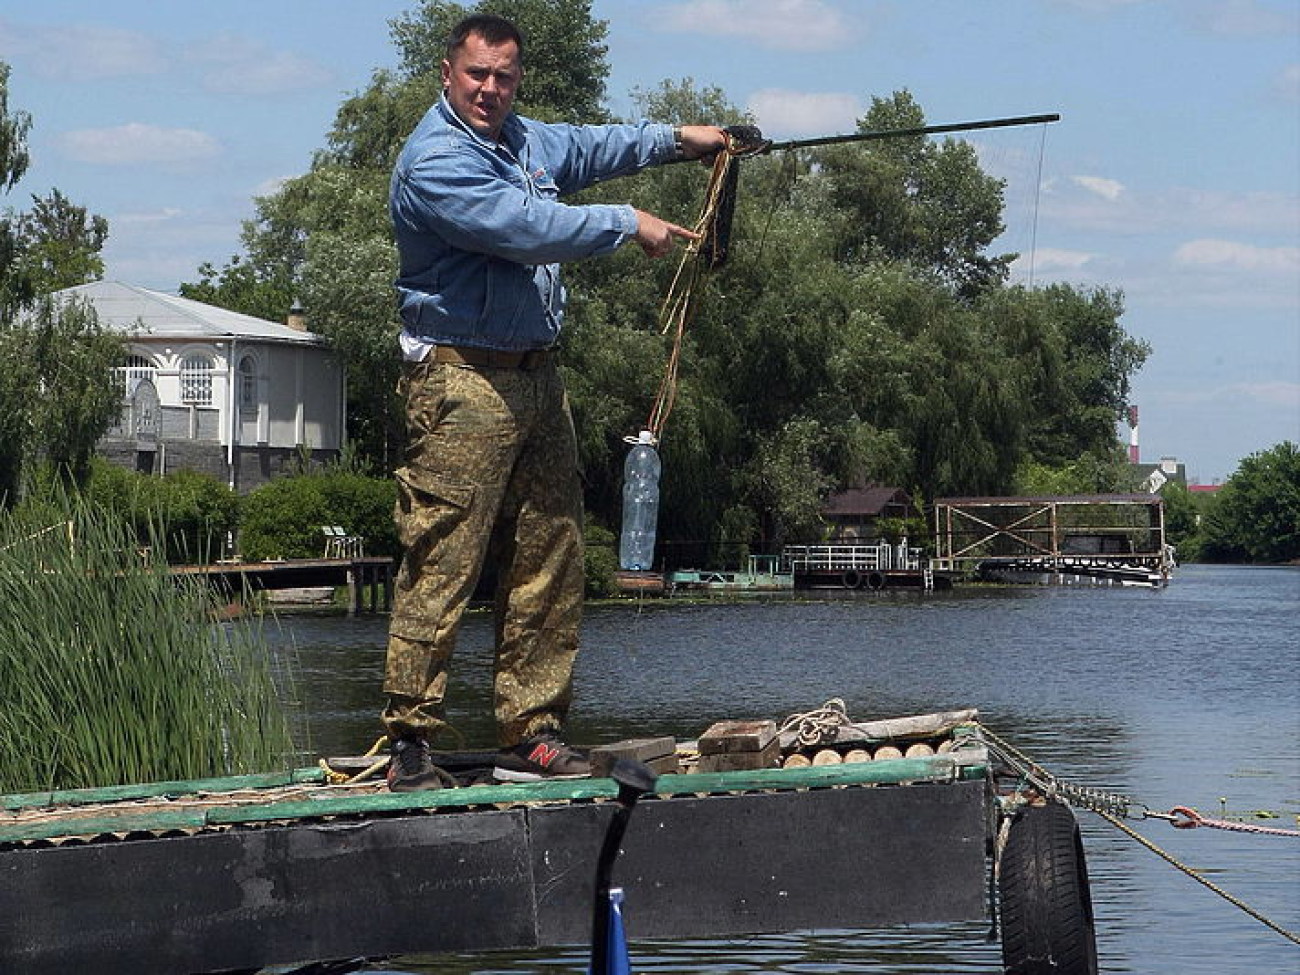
196, 380
136, 368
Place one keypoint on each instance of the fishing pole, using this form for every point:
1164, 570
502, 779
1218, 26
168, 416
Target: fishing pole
832, 140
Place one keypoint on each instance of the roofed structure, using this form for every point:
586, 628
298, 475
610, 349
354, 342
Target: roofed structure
215, 390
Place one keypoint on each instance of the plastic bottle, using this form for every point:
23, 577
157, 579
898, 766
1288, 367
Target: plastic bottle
636, 545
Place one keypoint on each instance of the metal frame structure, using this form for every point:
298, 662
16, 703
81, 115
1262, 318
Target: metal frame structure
1054, 532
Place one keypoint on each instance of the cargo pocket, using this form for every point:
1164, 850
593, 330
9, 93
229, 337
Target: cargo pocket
429, 506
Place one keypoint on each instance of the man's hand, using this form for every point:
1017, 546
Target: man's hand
656, 236
702, 141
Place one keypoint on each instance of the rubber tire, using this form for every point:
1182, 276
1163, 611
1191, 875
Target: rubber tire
1044, 900
850, 579
876, 581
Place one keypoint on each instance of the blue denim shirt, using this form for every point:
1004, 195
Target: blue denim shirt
481, 230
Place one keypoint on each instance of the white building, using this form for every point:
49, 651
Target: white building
213, 390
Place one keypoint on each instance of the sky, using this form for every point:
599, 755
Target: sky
1173, 175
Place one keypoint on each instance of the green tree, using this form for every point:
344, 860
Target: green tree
59, 244
1256, 516
917, 201
58, 392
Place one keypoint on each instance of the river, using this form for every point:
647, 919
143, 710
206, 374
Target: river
1186, 696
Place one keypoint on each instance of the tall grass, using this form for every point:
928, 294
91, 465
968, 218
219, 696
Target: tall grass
112, 671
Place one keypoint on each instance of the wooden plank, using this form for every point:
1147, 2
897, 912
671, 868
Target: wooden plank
648, 750
742, 761
737, 736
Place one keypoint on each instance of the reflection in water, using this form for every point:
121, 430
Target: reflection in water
1186, 696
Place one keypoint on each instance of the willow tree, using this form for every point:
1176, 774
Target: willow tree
58, 393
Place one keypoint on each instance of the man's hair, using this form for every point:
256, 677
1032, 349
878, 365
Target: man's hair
490, 27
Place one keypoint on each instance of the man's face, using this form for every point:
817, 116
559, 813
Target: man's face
481, 80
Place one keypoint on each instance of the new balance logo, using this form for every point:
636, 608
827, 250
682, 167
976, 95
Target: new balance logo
543, 754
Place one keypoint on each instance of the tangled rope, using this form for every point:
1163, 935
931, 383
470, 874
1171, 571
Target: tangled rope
818, 725
713, 227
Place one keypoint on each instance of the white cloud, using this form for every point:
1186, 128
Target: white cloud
1275, 393
1245, 18
234, 65
1085, 203
1058, 258
165, 215
1233, 255
794, 113
137, 143
1109, 189
81, 52
785, 25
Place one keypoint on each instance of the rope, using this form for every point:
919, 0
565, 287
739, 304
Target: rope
342, 778
1192, 819
1114, 808
814, 727
679, 303
1168, 858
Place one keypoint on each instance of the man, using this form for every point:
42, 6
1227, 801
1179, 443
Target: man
492, 456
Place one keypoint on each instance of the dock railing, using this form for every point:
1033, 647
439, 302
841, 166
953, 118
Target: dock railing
874, 557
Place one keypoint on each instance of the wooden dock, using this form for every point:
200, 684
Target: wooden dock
369, 580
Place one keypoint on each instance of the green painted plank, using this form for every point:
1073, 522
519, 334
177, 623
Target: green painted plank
153, 790
937, 769
888, 772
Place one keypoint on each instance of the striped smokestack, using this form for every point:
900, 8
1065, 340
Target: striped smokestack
1133, 435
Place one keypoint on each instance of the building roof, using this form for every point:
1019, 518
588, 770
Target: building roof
866, 501
140, 312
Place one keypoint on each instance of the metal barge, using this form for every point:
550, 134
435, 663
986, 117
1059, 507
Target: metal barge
239, 874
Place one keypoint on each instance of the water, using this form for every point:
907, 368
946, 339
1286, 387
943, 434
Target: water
1185, 696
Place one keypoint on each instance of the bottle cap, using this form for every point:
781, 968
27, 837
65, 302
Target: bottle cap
646, 437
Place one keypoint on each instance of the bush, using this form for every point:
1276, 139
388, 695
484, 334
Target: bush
283, 519
192, 514
600, 562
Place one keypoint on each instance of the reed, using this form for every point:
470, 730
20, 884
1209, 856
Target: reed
113, 672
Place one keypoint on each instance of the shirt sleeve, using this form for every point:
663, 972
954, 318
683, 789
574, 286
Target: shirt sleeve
473, 206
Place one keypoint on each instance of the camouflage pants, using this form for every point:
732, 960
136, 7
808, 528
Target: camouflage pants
491, 464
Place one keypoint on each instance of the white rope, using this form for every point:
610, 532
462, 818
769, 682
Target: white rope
816, 726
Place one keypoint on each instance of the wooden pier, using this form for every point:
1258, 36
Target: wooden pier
369, 580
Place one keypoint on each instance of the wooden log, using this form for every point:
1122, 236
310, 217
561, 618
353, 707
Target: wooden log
916, 726
827, 756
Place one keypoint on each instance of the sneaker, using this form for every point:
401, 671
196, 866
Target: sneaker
411, 768
541, 757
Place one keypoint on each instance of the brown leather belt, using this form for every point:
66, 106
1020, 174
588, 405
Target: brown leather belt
460, 355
